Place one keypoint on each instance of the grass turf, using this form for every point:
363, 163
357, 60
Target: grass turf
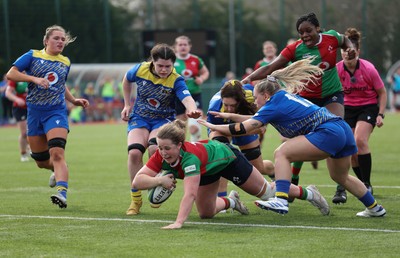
95, 224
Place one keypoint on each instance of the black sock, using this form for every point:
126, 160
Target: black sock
357, 171
365, 163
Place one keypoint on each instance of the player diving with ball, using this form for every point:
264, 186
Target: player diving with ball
201, 165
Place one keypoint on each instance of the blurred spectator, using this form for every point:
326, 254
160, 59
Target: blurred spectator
6, 104
17, 92
91, 113
269, 51
394, 80
228, 76
247, 72
108, 94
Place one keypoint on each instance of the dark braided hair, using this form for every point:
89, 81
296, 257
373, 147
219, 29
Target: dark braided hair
311, 17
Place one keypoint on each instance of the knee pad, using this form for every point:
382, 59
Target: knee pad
41, 156
252, 153
57, 142
153, 141
137, 146
222, 139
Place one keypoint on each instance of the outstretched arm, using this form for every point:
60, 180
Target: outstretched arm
241, 128
191, 108
263, 71
230, 116
191, 186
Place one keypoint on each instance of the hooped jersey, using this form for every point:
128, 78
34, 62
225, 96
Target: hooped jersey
325, 53
54, 68
292, 115
189, 68
205, 157
262, 62
156, 96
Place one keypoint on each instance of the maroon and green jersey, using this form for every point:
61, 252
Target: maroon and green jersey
189, 68
196, 158
325, 53
262, 62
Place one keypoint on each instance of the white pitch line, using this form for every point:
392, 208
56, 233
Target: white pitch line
377, 186
201, 223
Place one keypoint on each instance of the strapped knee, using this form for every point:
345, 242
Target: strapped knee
57, 142
252, 153
269, 191
40, 156
137, 146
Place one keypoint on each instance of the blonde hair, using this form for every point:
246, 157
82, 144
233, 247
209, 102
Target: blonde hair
49, 31
294, 77
174, 131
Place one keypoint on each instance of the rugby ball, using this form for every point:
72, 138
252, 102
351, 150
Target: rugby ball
160, 194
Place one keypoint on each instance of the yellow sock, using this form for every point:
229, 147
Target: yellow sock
136, 195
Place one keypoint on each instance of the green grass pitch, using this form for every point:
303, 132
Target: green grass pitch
95, 224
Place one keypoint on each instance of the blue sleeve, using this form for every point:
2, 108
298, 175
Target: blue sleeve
131, 74
215, 105
23, 63
267, 113
181, 89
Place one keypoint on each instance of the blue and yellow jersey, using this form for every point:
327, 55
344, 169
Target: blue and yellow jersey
217, 105
156, 96
292, 115
54, 68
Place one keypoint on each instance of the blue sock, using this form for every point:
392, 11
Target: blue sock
222, 194
368, 200
62, 188
282, 189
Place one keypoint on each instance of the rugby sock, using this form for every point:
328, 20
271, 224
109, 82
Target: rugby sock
304, 193
229, 203
369, 201
357, 171
282, 190
136, 195
62, 188
222, 194
365, 164
296, 167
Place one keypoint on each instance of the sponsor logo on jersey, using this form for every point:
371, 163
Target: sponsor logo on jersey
187, 73
153, 102
190, 168
51, 77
